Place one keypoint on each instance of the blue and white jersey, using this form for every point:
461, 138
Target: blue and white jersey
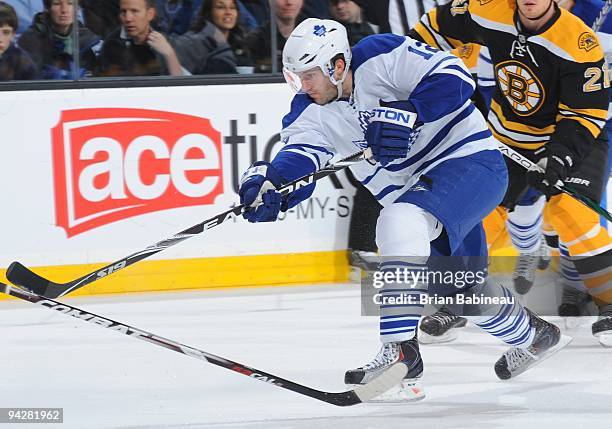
388, 68
485, 75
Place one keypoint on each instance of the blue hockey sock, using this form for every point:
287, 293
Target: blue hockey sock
508, 322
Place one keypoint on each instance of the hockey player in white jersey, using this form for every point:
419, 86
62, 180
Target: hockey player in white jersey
436, 171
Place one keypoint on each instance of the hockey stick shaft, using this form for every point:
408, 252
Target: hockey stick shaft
530, 165
362, 393
603, 14
22, 276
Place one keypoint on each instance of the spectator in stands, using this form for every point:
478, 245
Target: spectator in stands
258, 9
288, 16
51, 43
350, 15
15, 64
224, 14
25, 10
176, 16
135, 49
101, 16
204, 49
179, 16
245, 17
317, 9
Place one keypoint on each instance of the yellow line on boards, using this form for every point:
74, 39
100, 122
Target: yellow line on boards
224, 272
207, 273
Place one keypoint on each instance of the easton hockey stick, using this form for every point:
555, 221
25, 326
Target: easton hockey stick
22, 276
530, 165
363, 393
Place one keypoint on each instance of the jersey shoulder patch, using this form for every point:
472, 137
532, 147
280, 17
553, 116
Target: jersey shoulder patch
468, 53
571, 35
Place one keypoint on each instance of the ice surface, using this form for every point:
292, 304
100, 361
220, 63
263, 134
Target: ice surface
307, 334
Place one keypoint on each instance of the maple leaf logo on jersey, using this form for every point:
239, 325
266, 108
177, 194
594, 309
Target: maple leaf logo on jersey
587, 41
364, 119
319, 30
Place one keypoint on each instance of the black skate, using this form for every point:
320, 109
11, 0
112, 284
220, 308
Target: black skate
407, 352
602, 329
547, 341
440, 327
525, 272
545, 258
573, 305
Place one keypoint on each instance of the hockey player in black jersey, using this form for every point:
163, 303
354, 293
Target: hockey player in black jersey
550, 104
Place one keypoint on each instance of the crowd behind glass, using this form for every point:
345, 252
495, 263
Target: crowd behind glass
126, 38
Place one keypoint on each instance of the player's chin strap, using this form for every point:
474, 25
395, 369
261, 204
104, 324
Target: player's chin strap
339, 88
340, 81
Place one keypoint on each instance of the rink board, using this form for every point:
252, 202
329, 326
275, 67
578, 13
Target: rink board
209, 273
94, 175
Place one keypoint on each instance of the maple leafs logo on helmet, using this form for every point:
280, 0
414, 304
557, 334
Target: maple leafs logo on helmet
316, 43
319, 30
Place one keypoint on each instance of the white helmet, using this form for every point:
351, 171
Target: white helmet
314, 43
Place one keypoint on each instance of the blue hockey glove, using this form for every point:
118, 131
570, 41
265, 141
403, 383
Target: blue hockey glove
392, 131
557, 161
258, 193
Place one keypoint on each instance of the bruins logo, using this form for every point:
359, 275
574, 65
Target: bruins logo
465, 51
587, 41
459, 7
520, 87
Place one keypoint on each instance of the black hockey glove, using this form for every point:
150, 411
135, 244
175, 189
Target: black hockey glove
557, 161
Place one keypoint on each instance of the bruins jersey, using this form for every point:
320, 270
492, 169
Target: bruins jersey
552, 84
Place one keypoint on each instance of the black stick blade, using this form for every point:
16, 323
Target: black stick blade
20, 275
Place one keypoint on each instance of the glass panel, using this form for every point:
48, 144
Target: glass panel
223, 37
45, 37
16, 18
176, 37
132, 44
130, 38
269, 42
215, 43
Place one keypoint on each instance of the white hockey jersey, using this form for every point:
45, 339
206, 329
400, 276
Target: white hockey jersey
389, 68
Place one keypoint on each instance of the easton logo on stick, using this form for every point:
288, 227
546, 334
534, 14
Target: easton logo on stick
111, 164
